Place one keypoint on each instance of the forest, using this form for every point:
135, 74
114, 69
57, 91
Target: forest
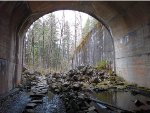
51, 40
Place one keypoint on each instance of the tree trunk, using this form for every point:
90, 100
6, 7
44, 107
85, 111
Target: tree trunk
43, 43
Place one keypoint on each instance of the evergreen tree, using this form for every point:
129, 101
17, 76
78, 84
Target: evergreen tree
49, 43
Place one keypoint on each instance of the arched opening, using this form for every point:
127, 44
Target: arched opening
130, 35
96, 45
88, 42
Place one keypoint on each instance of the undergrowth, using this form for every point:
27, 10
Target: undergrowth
102, 65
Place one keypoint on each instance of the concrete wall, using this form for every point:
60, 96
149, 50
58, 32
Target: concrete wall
131, 32
133, 55
96, 46
11, 14
128, 23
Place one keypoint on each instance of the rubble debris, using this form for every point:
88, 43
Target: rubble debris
37, 86
73, 87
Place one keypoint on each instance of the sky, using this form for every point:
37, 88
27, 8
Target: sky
70, 16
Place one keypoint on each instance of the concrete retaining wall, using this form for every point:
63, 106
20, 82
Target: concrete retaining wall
11, 45
95, 47
133, 56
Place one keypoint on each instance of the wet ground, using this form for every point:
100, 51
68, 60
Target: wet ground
53, 104
124, 99
17, 104
73, 93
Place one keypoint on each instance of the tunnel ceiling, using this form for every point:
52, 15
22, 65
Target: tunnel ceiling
105, 12
111, 14
122, 16
128, 22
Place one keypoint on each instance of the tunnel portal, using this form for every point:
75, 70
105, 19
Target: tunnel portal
127, 22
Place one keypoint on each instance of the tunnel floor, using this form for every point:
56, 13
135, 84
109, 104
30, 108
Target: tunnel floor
84, 90
15, 104
20, 102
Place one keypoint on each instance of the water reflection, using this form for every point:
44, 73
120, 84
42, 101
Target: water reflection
123, 100
51, 104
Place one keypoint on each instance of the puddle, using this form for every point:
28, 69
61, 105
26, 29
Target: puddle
51, 104
124, 100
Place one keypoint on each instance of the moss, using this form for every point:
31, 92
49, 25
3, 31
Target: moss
131, 85
110, 72
85, 39
102, 65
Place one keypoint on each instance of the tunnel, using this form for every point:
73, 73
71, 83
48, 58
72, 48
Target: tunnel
127, 22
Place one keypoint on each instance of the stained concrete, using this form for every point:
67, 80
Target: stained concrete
95, 47
127, 22
133, 56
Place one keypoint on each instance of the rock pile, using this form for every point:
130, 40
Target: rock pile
74, 85
37, 87
30, 78
83, 78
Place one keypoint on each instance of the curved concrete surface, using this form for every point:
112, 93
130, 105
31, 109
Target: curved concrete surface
128, 23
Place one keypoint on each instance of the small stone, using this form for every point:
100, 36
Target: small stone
66, 84
89, 72
43, 91
56, 90
96, 80
75, 78
81, 97
37, 101
29, 111
91, 108
31, 105
138, 103
76, 87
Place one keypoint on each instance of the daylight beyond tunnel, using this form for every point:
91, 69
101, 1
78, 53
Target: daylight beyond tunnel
66, 39
127, 22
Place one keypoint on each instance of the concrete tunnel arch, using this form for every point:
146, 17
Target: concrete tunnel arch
28, 22
130, 35
25, 26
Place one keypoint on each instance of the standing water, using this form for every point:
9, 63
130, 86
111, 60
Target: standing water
124, 100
